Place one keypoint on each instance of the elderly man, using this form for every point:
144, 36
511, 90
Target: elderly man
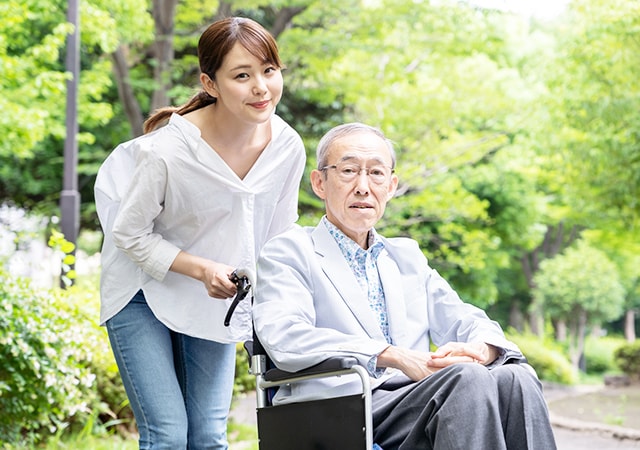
341, 289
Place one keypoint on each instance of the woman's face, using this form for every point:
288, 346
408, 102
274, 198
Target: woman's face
245, 86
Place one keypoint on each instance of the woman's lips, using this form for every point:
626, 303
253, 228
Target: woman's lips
260, 105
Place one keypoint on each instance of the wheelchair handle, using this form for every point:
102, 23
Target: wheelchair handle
241, 279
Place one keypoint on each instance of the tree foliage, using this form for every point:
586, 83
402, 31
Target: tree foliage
514, 136
580, 286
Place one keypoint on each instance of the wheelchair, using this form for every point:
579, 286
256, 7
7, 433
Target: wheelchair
339, 423
325, 424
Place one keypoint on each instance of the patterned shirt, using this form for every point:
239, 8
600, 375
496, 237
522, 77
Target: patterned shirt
364, 265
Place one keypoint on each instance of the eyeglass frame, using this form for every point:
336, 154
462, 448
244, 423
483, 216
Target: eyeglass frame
360, 169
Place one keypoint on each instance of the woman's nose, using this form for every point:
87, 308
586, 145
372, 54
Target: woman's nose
260, 86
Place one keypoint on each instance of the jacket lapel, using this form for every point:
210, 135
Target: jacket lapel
394, 298
342, 278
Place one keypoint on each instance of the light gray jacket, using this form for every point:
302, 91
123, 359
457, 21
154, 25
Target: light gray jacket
308, 306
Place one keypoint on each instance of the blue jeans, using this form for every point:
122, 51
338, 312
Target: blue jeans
179, 387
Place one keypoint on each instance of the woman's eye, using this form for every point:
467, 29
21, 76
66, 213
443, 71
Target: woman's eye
242, 75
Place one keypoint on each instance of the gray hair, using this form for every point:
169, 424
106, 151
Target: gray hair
346, 129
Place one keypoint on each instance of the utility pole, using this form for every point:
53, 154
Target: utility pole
70, 197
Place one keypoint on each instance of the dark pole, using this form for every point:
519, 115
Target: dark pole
70, 197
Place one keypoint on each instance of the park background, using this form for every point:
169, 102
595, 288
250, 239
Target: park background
518, 138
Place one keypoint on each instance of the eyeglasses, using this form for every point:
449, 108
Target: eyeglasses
348, 172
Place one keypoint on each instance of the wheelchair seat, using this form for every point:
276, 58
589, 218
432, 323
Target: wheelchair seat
339, 423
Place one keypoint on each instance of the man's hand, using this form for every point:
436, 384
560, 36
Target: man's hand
457, 352
412, 363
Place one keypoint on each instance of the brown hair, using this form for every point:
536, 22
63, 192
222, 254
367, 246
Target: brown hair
214, 44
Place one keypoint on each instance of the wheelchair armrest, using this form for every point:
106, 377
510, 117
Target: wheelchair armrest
327, 366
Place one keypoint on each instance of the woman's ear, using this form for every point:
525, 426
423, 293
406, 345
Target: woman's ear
208, 85
317, 183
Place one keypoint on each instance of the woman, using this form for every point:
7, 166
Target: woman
182, 207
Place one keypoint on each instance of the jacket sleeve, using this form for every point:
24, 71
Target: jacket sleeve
453, 320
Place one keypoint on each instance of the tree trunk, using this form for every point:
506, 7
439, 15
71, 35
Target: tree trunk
283, 19
576, 343
125, 91
561, 330
516, 319
630, 325
536, 322
163, 17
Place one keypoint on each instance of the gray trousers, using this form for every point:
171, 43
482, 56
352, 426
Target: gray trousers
464, 407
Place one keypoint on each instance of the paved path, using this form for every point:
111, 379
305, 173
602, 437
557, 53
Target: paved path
571, 439
572, 434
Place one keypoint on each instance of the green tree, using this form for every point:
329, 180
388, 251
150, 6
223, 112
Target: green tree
438, 78
513, 138
580, 287
597, 88
33, 94
591, 142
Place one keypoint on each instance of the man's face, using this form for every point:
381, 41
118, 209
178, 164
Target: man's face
354, 198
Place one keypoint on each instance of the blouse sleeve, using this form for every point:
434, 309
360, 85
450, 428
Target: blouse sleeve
133, 230
286, 212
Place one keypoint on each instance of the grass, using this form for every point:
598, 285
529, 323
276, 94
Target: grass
241, 437
80, 441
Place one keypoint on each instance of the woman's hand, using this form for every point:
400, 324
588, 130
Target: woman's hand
216, 280
214, 275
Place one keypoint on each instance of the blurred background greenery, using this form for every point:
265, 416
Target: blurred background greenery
519, 158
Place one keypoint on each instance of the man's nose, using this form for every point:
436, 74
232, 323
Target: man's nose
362, 182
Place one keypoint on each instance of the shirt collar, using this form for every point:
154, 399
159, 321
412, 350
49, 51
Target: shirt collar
349, 247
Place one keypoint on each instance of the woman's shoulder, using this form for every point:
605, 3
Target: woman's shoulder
282, 131
167, 140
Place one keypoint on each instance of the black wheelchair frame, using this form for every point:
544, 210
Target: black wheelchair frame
323, 424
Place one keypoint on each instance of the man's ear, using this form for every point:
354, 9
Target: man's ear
208, 85
393, 186
317, 183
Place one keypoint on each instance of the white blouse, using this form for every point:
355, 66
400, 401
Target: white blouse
169, 191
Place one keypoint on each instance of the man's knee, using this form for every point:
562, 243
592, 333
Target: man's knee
472, 381
515, 373
517, 385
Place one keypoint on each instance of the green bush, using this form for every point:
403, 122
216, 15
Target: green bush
546, 357
599, 354
45, 382
244, 380
112, 408
628, 359
58, 374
